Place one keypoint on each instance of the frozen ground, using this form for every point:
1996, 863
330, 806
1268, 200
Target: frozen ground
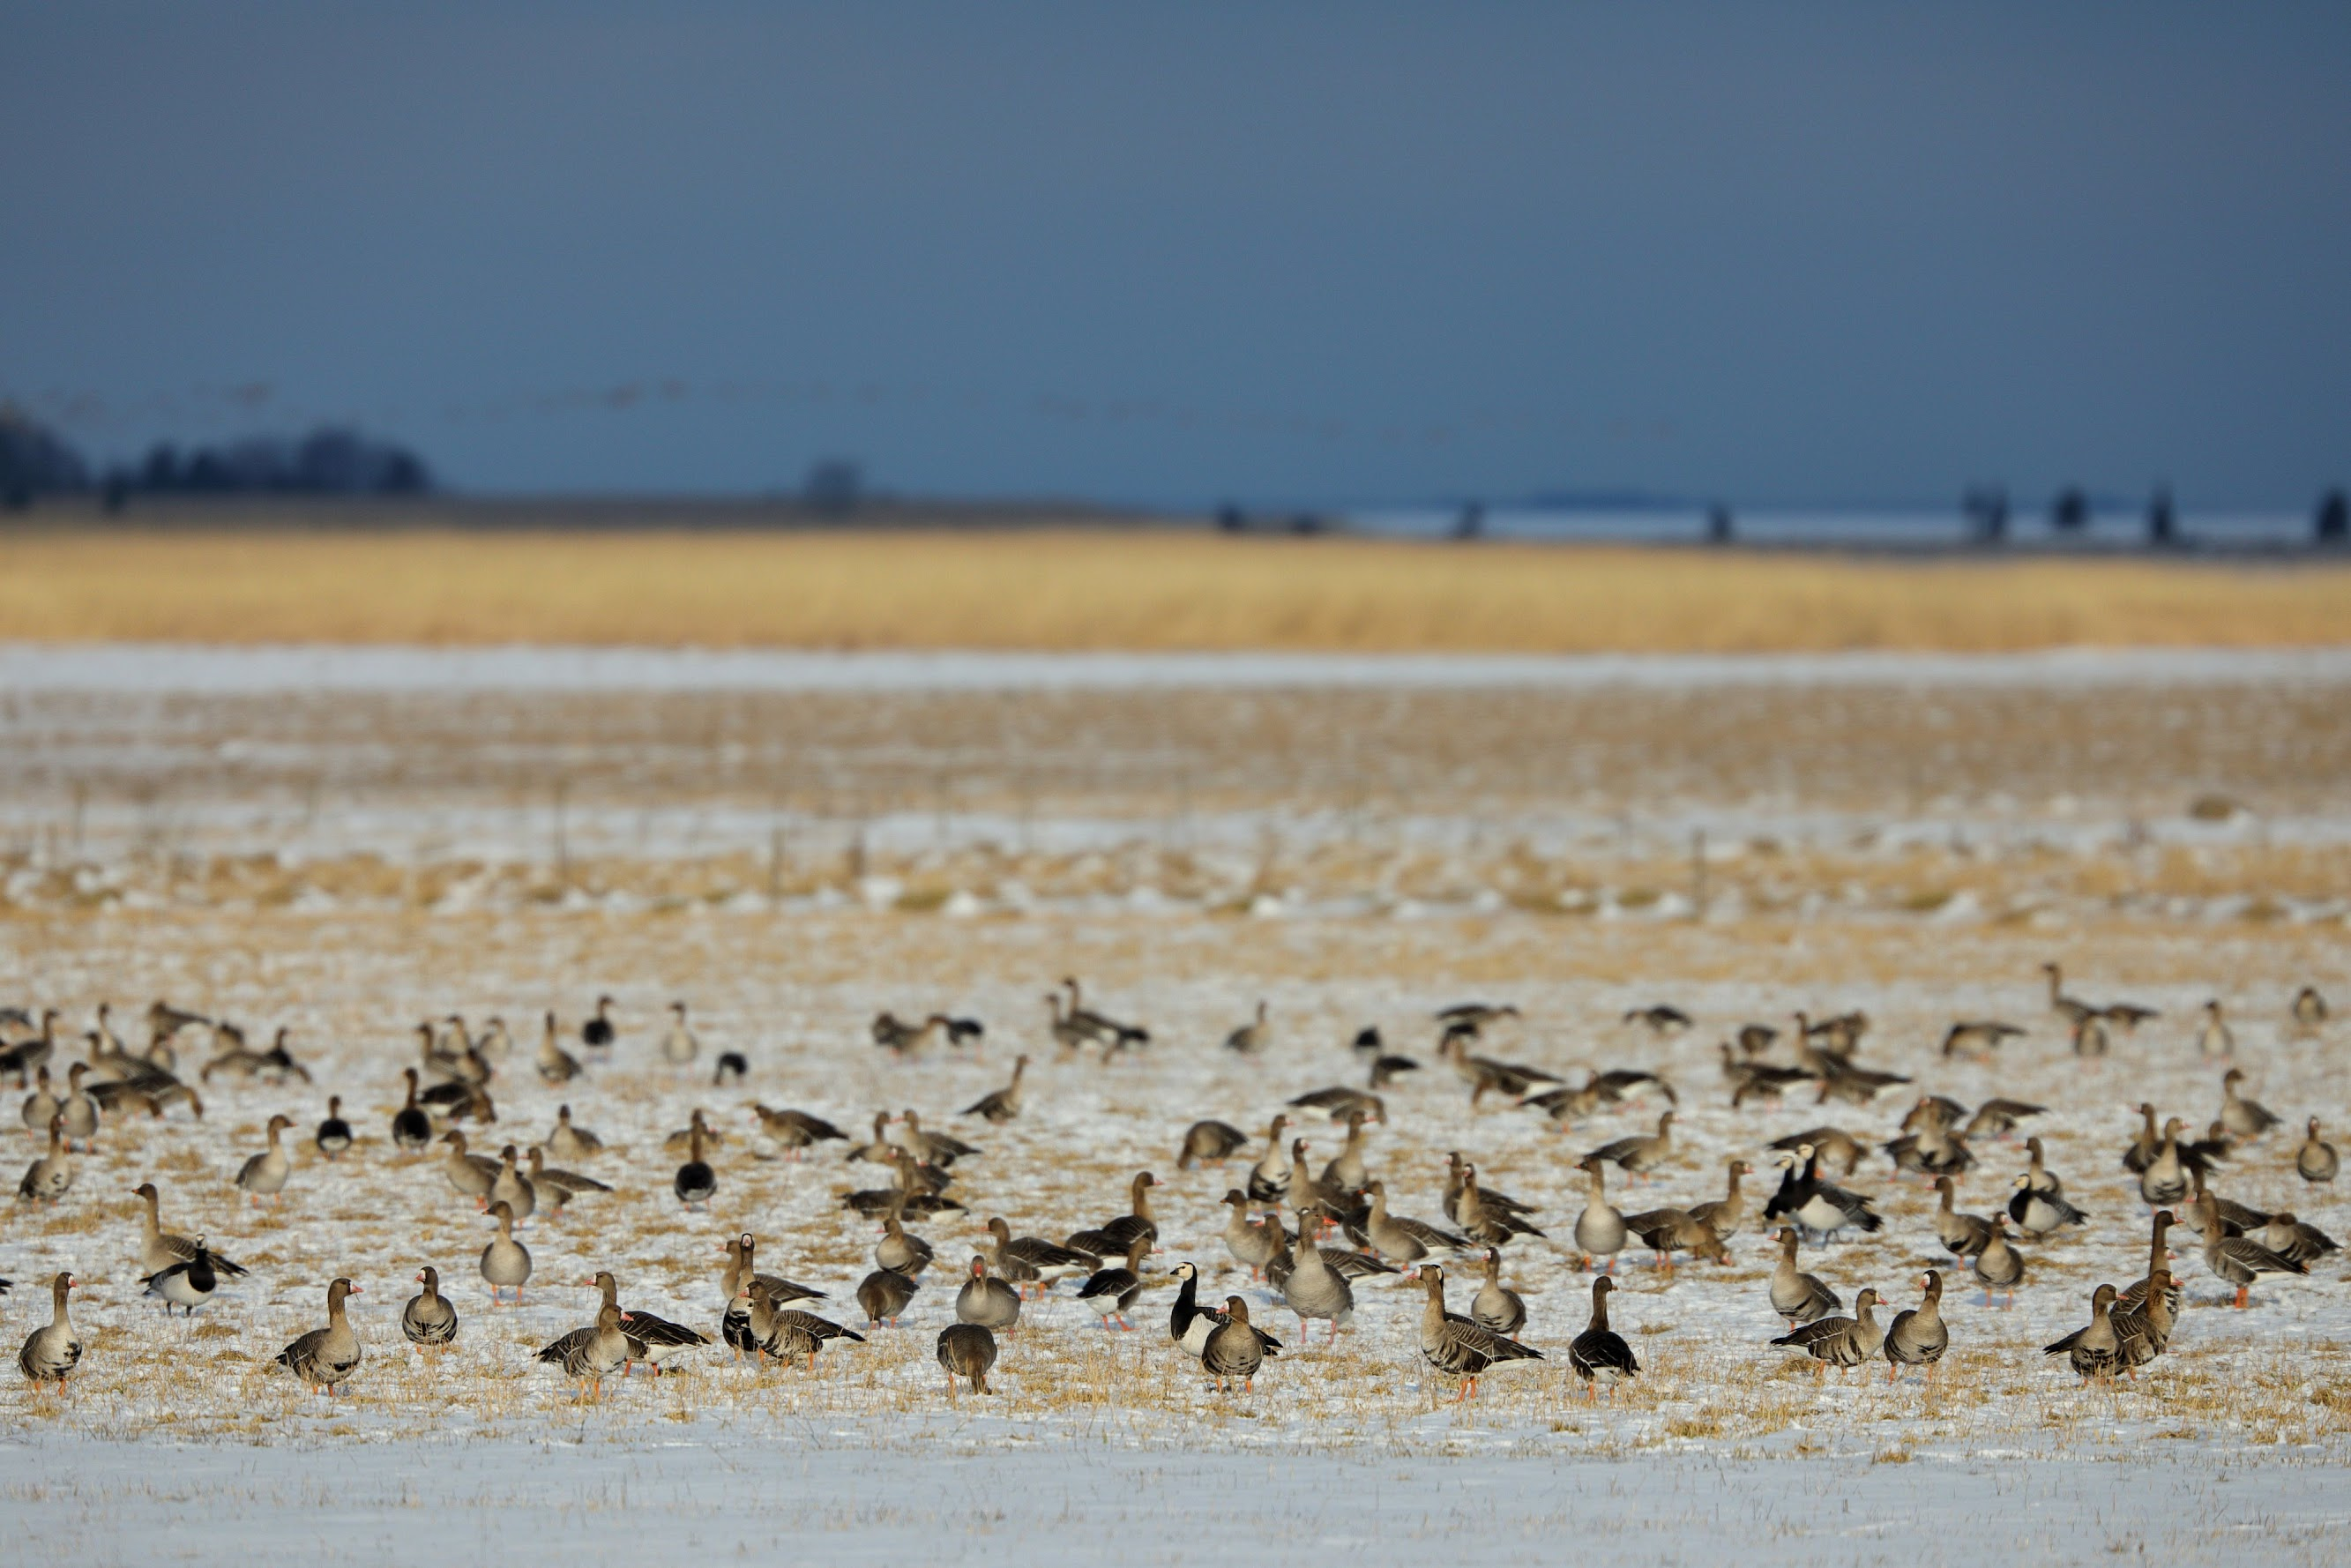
1921, 892
844, 1504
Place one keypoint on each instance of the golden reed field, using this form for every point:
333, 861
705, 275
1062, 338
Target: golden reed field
1133, 587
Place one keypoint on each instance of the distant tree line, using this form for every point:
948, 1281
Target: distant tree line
329, 461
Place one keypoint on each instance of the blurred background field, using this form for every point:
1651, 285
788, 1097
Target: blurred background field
1054, 587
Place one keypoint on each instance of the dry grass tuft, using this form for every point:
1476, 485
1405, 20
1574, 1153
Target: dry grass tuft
1031, 589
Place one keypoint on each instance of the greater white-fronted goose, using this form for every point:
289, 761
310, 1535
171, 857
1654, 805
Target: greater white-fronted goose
1599, 1355
1600, 1228
1210, 1141
1114, 1289
652, 1339
1917, 1336
159, 1248
1065, 1030
1727, 1215
2072, 1010
1831, 1145
1977, 1037
907, 1253
429, 1320
696, 1183
1455, 1345
1962, 1234
470, 1173
1751, 1080
903, 1036
1033, 1259
186, 1284
796, 1131
506, 1262
559, 1186
41, 1105
1475, 1016
49, 1176
2310, 1010
2165, 1180
2244, 1118
879, 1150
2039, 1212
1254, 1244
2038, 1177
1189, 1324
2096, 1350
1486, 1220
554, 1064
1997, 1118
1342, 1102
2315, 1160
1305, 1190
1253, 1037
734, 1326
1496, 1305
1999, 1267
1114, 1036
570, 1142
1797, 1296
966, 1351
1487, 1076
1346, 1172
1819, 1205
1001, 1105
682, 1141
1665, 1231
787, 1333
2141, 1151
1933, 1149
1617, 1086
2158, 1254
1661, 1019
1841, 1341
79, 1111
1138, 1224
22, 1056
325, 1358
2289, 1238
511, 1188
53, 1350
1400, 1240
1234, 1348
990, 1303
587, 1356
2143, 1331
2214, 1038
932, 1148
1841, 1080
412, 1127
883, 1296
1268, 1179
679, 1046
1386, 1070
2239, 1261
598, 1032
1639, 1155
1313, 1288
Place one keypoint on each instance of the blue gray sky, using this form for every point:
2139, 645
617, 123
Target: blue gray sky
1780, 252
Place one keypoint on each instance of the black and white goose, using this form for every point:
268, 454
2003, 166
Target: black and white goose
1820, 1206
185, 1285
1190, 1324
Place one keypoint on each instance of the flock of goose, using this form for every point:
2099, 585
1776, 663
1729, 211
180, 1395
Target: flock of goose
1309, 1235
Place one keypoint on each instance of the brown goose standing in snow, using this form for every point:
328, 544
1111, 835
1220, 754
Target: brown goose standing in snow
429, 1320
2315, 1160
1840, 1340
1917, 1337
1234, 1348
787, 1333
325, 1358
1001, 1105
1999, 1267
506, 1262
54, 1349
1962, 1234
1455, 1345
1496, 1306
1599, 1355
2096, 1350
587, 1356
1799, 1297
49, 1178
966, 1351
990, 1303
1210, 1141
798, 1130
2244, 1118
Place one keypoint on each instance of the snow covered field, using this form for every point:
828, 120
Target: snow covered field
414, 888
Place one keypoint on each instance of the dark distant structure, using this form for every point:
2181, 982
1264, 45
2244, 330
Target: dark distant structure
1306, 525
1986, 507
34, 461
1230, 519
1469, 523
1718, 524
2333, 524
2162, 522
834, 486
2069, 513
332, 460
